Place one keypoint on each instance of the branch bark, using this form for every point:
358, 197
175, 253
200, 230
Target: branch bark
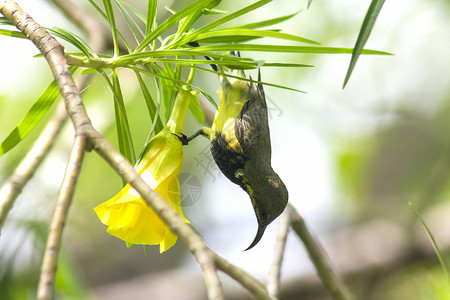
49, 265
54, 54
318, 257
273, 279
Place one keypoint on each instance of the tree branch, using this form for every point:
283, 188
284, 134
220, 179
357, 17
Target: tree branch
50, 262
318, 257
255, 287
25, 171
273, 279
54, 54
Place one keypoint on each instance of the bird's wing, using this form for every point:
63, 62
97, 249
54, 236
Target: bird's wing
252, 126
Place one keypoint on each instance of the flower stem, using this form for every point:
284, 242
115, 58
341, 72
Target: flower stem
179, 110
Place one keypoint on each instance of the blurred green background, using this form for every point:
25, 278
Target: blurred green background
351, 159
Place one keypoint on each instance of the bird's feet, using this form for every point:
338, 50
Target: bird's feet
182, 137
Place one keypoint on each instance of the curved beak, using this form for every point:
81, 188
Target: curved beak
258, 236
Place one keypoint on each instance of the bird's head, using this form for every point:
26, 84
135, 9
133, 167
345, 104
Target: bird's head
269, 199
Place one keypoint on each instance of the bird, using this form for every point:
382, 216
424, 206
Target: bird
240, 145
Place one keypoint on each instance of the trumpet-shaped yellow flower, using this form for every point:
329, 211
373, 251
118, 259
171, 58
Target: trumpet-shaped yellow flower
127, 215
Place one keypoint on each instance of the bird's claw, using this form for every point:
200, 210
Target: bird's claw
182, 137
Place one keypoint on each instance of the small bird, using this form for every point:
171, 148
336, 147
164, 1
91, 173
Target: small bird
240, 145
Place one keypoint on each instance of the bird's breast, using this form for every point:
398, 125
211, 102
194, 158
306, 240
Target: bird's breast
230, 159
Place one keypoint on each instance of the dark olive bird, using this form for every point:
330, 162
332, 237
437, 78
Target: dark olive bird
240, 146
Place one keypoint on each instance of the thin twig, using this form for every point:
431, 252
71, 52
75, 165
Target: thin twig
50, 262
318, 257
273, 279
23, 173
254, 286
54, 54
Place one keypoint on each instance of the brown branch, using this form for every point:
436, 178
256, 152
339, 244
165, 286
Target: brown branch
255, 287
318, 257
49, 265
26, 169
273, 279
54, 54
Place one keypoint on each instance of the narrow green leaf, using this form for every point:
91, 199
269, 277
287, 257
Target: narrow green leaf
229, 39
251, 80
366, 29
186, 62
5, 21
151, 16
309, 3
196, 110
432, 240
87, 71
98, 9
266, 23
134, 10
13, 33
106, 18
186, 23
158, 53
129, 20
288, 65
179, 82
73, 39
151, 106
255, 33
193, 36
282, 48
172, 20
123, 130
112, 23
32, 117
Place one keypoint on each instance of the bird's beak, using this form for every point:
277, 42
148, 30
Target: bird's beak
258, 236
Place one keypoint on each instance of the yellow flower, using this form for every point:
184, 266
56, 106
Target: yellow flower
127, 215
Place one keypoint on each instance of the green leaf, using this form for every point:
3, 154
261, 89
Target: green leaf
112, 24
254, 33
309, 3
366, 29
158, 53
13, 33
193, 35
32, 117
151, 16
98, 9
129, 19
173, 81
229, 39
135, 11
151, 106
196, 110
282, 48
266, 23
87, 71
432, 240
186, 23
250, 80
288, 65
123, 130
73, 39
172, 20
106, 18
5, 21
